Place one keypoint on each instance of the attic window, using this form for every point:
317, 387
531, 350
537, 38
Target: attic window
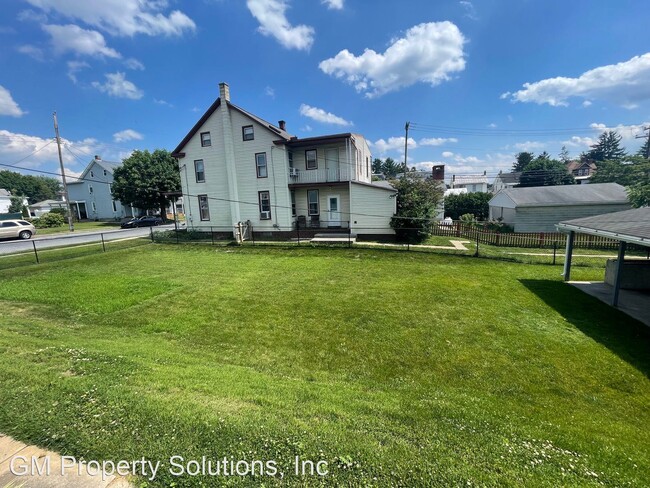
105, 172
92, 175
205, 139
247, 133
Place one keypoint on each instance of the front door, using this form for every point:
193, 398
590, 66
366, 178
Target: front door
332, 164
334, 210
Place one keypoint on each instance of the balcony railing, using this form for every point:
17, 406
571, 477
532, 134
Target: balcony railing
324, 175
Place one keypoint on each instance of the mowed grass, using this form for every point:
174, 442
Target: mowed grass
398, 369
80, 227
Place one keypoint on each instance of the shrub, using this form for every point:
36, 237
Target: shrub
49, 220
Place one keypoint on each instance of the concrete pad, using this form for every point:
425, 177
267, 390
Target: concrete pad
633, 303
43, 469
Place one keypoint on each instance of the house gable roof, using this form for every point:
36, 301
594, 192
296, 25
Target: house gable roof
470, 179
509, 178
547, 196
107, 165
178, 152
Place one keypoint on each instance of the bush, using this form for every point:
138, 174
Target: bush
59, 210
417, 201
49, 220
468, 203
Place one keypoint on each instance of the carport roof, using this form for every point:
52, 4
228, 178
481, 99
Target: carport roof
631, 226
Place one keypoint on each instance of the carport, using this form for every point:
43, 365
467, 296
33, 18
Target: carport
627, 227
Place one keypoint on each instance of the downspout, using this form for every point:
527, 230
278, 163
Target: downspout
275, 191
348, 143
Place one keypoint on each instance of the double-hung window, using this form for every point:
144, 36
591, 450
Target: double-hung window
265, 205
206, 141
199, 171
204, 208
248, 134
310, 159
312, 202
260, 165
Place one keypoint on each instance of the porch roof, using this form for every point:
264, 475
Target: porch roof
631, 226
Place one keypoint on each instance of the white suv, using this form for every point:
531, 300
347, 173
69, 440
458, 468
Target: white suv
16, 229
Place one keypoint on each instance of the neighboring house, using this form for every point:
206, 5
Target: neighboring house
582, 171
473, 183
505, 180
40, 208
5, 201
236, 167
541, 208
90, 196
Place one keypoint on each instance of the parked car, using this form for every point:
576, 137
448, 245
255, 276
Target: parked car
146, 221
17, 229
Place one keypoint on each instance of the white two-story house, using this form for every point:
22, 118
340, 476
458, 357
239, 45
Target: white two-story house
236, 167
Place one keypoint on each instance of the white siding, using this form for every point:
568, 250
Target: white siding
372, 209
323, 193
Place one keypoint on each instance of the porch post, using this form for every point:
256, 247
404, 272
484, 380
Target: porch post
619, 266
567, 256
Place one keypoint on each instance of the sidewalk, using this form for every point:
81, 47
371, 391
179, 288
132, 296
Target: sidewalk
33, 460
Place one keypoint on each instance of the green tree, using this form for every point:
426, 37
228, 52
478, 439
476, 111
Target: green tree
523, 159
35, 188
144, 178
468, 203
630, 171
16, 205
644, 150
564, 155
377, 166
607, 148
390, 168
545, 172
639, 195
417, 201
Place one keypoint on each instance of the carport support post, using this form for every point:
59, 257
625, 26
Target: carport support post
568, 254
619, 267
103, 244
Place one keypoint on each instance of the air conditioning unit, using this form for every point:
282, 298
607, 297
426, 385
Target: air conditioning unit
293, 172
265, 215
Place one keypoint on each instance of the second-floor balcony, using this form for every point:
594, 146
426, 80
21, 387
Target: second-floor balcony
321, 175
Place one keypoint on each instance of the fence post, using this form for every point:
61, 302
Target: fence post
103, 243
36, 252
298, 230
554, 251
151, 233
477, 244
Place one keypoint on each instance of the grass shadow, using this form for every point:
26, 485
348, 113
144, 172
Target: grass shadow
626, 337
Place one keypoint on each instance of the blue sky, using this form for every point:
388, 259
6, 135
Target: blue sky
479, 81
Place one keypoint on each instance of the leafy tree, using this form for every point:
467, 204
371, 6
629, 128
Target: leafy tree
390, 168
35, 188
564, 155
633, 170
545, 172
143, 179
639, 195
417, 201
377, 166
608, 148
644, 150
523, 159
468, 203
16, 205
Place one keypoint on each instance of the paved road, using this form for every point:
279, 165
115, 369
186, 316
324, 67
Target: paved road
72, 239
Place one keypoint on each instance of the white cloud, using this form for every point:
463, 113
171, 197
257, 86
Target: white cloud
320, 115
492, 125
119, 87
393, 144
7, 104
578, 141
32, 51
528, 146
333, 4
73, 38
127, 135
74, 67
271, 14
428, 53
29, 15
447, 154
586, 103
16, 146
437, 141
269, 92
134, 64
122, 17
306, 128
162, 102
626, 84
470, 10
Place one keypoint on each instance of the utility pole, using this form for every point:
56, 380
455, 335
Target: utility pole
65, 184
406, 147
643, 136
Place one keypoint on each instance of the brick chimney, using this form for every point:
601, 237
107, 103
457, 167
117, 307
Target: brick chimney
438, 172
282, 124
224, 92
98, 158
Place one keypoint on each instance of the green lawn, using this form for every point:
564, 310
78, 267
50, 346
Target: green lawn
399, 369
80, 227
